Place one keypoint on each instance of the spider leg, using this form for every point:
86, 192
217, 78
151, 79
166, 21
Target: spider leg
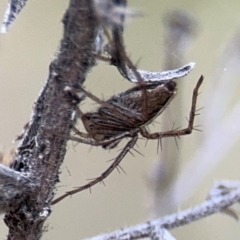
99, 179
81, 134
93, 142
124, 65
181, 132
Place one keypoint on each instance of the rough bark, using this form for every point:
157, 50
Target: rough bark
40, 154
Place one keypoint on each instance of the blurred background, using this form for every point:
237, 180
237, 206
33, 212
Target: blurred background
169, 35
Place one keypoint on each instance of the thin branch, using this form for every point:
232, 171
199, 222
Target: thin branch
13, 9
213, 205
39, 154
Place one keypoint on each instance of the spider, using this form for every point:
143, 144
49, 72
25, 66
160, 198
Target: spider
122, 116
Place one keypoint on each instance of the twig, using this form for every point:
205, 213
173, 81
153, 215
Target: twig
40, 155
211, 206
13, 9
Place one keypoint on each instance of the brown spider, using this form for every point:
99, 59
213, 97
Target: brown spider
122, 116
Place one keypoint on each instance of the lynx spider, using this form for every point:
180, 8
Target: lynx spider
121, 116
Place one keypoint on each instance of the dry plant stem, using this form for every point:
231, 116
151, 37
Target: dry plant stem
39, 154
207, 208
13, 9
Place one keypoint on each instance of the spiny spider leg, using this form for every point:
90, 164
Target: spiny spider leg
181, 132
114, 165
93, 142
120, 59
81, 134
